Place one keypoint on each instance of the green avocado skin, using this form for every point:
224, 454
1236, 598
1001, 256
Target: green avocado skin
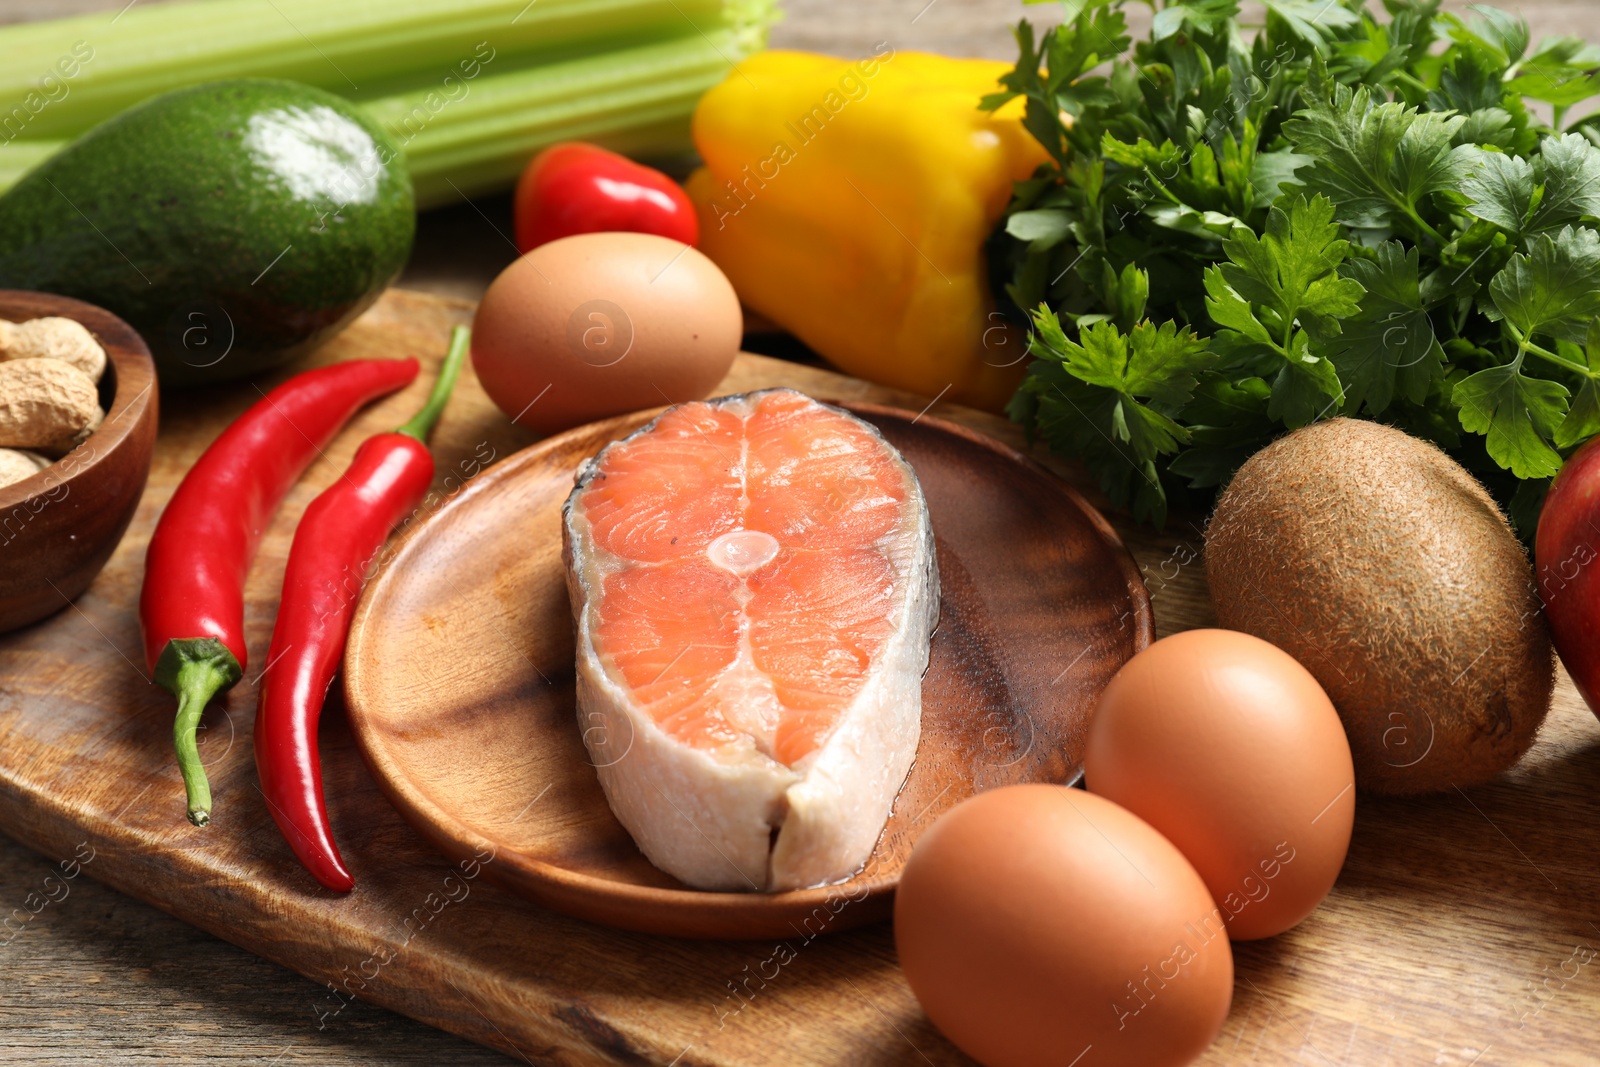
235, 224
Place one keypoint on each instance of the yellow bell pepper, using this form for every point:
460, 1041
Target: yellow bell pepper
849, 202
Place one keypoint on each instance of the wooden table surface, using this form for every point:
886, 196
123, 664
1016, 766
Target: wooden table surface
102, 979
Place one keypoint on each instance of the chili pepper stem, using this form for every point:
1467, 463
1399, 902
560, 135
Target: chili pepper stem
422, 423
195, 670
197, 684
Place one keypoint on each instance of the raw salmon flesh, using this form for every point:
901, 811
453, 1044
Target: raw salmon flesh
754, 588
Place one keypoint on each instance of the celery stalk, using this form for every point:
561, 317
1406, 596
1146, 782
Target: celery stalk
637, 101
363, 49
556, 70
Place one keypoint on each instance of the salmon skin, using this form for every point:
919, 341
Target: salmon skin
754, 588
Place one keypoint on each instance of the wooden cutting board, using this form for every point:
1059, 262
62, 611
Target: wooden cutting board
1463, 930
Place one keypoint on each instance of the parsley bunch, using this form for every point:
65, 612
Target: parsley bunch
1345, 214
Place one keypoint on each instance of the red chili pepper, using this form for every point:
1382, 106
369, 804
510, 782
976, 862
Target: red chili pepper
582, 188
335, 545
192, 602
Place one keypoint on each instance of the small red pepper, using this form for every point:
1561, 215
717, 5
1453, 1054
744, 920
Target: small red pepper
574, 188
335, 546
191, 605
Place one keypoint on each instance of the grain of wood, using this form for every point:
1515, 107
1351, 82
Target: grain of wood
1450, 939
1457, 931
88, 975
487, 574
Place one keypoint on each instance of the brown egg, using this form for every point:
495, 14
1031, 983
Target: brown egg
602, 324
1229, 747
1036, 923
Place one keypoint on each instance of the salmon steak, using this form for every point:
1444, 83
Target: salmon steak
754, 588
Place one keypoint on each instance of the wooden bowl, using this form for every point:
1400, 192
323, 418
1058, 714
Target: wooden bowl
459, 678
58, 527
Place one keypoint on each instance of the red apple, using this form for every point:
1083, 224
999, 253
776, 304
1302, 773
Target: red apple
1564, 556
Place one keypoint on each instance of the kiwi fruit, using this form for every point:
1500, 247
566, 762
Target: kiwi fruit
1388, 571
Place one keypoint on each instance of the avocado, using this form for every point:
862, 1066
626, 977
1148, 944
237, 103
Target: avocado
235, 224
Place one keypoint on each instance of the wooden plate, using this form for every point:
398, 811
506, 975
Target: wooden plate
459, 677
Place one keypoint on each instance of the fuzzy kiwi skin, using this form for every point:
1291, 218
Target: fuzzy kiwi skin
1384, 567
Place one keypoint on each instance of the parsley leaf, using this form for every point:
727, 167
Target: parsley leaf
1521, 196
1571, 181
1500, 33
1472, 83
1311, 20
1364, 208
1149, 362
1517, 413
1054, 74
1114, 395
1583, 417
1228, 423
1206, 16
1043, 228
1126, 293
1388, 347
1275, 293
1273, 170
1553, 288
1292, 268
1500, 188
1560, 72
1376, 161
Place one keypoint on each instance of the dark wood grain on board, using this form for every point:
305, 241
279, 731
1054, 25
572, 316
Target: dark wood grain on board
1442, 944
86, 769
1459, 932
459, 678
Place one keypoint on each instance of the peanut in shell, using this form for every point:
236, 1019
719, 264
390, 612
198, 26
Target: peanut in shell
45, 404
